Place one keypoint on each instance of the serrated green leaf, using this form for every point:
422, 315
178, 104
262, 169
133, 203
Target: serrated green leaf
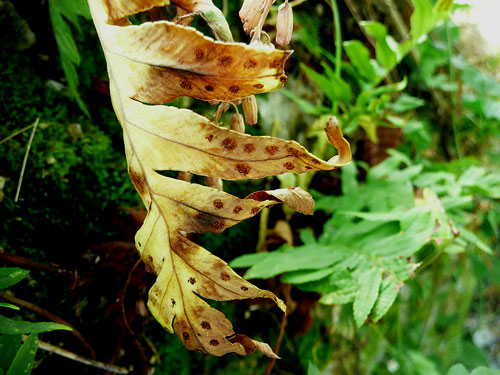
388, 294
309, 257
369, 284
338, 279
248, 260
17, 327
25, 357
300, 277
11, 275
473, 239
340, 297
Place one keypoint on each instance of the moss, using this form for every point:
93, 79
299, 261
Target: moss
74, 172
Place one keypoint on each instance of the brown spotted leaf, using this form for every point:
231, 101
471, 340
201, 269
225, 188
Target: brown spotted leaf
154, 63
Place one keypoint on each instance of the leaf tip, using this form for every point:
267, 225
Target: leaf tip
336, 138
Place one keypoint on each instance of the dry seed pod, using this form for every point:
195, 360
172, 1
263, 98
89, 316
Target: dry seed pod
214, 182
223, 107
237, 123
284, 24
184, 176
250, 110
250, 14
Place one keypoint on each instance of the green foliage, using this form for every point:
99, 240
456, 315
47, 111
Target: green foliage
17, 358
422, 293
10, 276
379, 234
24, 360
64, 13
460, 369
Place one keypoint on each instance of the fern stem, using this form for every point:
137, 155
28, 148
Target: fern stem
338, 45
453, 96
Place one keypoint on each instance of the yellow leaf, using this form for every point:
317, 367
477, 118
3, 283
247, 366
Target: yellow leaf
154, 63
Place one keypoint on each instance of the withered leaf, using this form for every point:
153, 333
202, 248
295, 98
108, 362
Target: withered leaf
154, 63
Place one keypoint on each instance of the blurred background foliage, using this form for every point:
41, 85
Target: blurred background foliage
398, 272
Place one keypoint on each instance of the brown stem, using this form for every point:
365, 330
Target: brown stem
138, 345
272, 361
51, 316
29, 264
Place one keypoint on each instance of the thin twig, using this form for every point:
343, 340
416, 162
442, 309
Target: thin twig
124, 293
51, 316
17, 132
78, 358
26, 159
272, 361
137, 343
28, 263
358, 18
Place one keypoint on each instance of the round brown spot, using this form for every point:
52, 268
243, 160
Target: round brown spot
172, 302
255, 210
244, 288
218, 204
209, 88
237, 210
209, 137
234, 89
225, 60
316, 161
185, 336
219, 225
192, 280
229, 144
283, 78
186, 85
308, 168
243, 168
198, 53
258, 86
249, 64
205, 325
293, 151
249, 148
275, 63
289, 165
271, 150
224, 276
214, 342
